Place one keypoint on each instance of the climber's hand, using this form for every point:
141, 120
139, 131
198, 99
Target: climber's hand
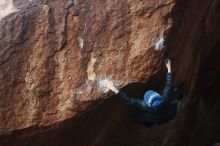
110, 85
168, 64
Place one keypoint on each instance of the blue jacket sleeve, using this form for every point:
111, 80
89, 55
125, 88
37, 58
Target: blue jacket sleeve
132, 100
168, 86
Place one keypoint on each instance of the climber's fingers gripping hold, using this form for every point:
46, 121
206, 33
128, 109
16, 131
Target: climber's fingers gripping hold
168, 64
110, 85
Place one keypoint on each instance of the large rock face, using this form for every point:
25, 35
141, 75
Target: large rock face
55, 53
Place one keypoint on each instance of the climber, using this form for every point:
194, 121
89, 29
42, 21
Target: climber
157, 108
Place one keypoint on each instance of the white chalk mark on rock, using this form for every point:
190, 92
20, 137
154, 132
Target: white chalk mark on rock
101, 81
6, 7
80, 42
159, 44
102, 87
90, 69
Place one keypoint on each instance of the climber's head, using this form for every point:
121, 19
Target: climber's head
153, 99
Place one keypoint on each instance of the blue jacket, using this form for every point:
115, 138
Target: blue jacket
164, 111
141, 103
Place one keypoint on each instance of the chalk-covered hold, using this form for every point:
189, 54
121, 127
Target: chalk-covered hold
80, 42
6, 7
102, 87
159, 44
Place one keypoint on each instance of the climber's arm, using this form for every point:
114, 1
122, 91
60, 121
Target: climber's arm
169, 80
130, 100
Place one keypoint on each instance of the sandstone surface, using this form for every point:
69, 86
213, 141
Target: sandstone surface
54, 54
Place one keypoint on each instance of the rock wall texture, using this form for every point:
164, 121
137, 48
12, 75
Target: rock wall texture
53, 55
